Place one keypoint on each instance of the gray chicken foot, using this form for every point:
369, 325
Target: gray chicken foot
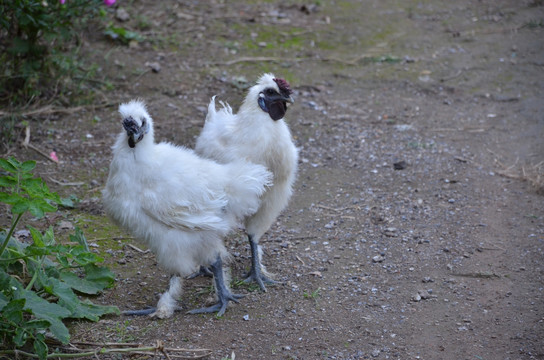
255, 273
224, 295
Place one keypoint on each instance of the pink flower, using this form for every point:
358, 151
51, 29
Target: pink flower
62, 2
53, 155
109, 2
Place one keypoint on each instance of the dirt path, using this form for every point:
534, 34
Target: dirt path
440, 257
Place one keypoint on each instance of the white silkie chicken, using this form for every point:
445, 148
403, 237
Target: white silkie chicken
257, 133
179, 204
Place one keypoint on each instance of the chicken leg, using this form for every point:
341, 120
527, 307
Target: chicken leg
224, 295
257, 272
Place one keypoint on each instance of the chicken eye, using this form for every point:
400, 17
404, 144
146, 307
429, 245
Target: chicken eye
270, 92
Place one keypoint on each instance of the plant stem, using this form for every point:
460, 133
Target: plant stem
8, 236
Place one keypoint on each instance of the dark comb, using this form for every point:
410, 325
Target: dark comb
284, 86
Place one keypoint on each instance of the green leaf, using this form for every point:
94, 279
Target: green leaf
20, 206
82, 285
20, 337
100, 275
64, 292
8, 166
49, 236
10, 199
36, 236
28, 166
45, 310
38, 207
88, 310
3, 300
40, 347
13, 311
80, 238
8, 182
37, 324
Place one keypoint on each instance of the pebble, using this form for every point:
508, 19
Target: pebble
378, 259
155, 66
122, 15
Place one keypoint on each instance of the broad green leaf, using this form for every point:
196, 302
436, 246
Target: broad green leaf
66, 202
43, 309
38, 207
8, 166
82, 285
10, 198
20, 206
13, 311
8, 182
37, 324
88, 310
28, 166
64, 292
100, 275
85, 258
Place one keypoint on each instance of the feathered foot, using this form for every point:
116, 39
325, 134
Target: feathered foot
167, 304
257, 273
224, 295
203, 271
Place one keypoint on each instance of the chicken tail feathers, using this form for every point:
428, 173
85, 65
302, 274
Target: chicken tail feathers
248, 182
211, 109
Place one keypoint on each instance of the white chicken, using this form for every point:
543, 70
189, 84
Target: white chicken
257, 133
179, 204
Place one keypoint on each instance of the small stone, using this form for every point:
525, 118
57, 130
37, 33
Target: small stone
155, 66
122, 15
375, 353
400, 165
378, 259
416, 298
390, 232
66, 225
246, 317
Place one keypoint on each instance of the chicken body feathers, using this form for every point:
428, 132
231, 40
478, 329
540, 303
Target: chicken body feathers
180, 204
252, 136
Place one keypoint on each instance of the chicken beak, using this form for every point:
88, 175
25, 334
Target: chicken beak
134, 132
289, 99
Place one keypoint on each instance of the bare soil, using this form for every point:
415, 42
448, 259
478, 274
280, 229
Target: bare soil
417, 226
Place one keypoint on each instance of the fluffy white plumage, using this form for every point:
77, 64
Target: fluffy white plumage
257, 133
178, 203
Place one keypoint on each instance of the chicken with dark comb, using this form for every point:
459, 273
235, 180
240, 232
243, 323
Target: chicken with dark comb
256, 133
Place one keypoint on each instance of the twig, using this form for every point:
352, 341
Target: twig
333, 209
451, 77
41, 153
106, 349
114, 238
249, 59
48, 110
27, 144
138, 249
79, 183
